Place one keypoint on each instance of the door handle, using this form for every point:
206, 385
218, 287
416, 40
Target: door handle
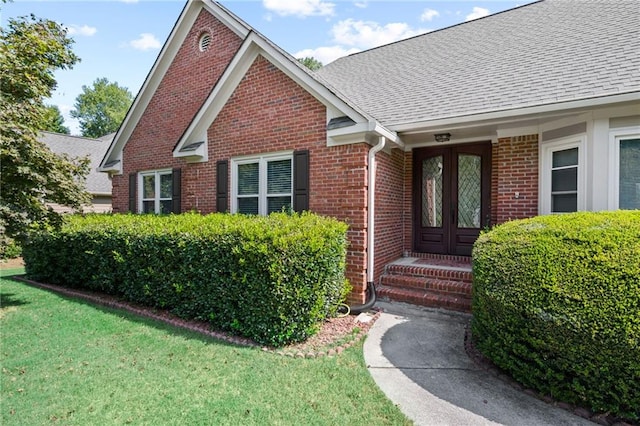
453, 214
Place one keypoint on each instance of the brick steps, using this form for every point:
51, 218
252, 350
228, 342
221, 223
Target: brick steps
435, 281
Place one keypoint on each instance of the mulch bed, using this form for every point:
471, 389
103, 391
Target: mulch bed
335, 334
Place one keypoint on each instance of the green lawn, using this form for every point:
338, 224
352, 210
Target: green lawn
70, 362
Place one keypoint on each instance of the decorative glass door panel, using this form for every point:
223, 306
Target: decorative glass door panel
469, 190
451, 197
432, 192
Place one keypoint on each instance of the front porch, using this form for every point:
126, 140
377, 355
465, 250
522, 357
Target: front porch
432, 280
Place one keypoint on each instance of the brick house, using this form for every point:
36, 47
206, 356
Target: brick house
417, 145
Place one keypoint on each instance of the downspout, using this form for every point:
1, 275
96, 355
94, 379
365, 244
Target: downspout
371, 223
371, 198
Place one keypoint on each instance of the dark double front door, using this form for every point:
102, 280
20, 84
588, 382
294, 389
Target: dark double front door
451, 197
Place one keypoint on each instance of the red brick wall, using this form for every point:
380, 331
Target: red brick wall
183, 89
269, 112
515, 169
389, 213
408, 202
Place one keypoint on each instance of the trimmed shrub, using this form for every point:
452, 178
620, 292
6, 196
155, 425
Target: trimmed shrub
556, 303
271, 279
9, 248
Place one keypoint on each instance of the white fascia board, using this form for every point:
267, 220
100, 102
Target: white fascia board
304, 80
380, 130
161, 65
198, 155
228, 19
115, 169
219, 96
151, 83
322, 93
517, 131
453, 141
504, 116
253, 46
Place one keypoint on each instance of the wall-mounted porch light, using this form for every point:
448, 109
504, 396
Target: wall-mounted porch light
442, 137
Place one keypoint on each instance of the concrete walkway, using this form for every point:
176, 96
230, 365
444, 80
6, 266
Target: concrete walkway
417, 357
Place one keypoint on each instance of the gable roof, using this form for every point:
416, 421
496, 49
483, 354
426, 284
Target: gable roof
189, 145
549, 52
193, 143
76, 146
112, 161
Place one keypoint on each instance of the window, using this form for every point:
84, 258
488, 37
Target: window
262, 185
626, 169
156, 192
564, 180
562, 186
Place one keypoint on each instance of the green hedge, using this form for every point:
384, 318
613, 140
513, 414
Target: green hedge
9, 248
271, 279
556, 303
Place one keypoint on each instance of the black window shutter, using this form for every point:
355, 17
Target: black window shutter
301, 180
176, 196
222, 186
133, 180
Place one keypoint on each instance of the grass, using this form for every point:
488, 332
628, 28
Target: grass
66, 361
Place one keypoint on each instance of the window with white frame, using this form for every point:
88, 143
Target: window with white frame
626, 169
262, 185
562, 176
156, 191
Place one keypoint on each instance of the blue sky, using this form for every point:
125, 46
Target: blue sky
120, 40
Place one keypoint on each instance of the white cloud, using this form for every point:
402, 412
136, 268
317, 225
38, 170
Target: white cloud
84, 30
72, 123
326, 55
478, 12
129, 1
361, 4
429, 14
299, 8
368, 34
146, 41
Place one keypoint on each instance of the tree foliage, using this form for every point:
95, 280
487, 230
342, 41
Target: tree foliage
312, 63
31, 49
54, 121
101, 107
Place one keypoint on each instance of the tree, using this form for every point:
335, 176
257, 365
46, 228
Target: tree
101, 108
31, 49
54, 121
312, 63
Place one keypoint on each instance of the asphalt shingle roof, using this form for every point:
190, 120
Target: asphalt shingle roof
546, 52
75, 146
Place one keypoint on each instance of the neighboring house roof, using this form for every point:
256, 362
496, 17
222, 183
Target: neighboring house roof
76, 146
543, 53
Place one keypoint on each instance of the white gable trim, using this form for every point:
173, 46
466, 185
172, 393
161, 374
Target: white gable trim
112, 161
253, 46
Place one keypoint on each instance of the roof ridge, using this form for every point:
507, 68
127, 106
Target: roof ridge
73, 136
437, 30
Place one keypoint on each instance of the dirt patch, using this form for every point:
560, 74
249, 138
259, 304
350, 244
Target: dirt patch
11, 263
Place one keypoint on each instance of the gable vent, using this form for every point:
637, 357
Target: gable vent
205, 41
